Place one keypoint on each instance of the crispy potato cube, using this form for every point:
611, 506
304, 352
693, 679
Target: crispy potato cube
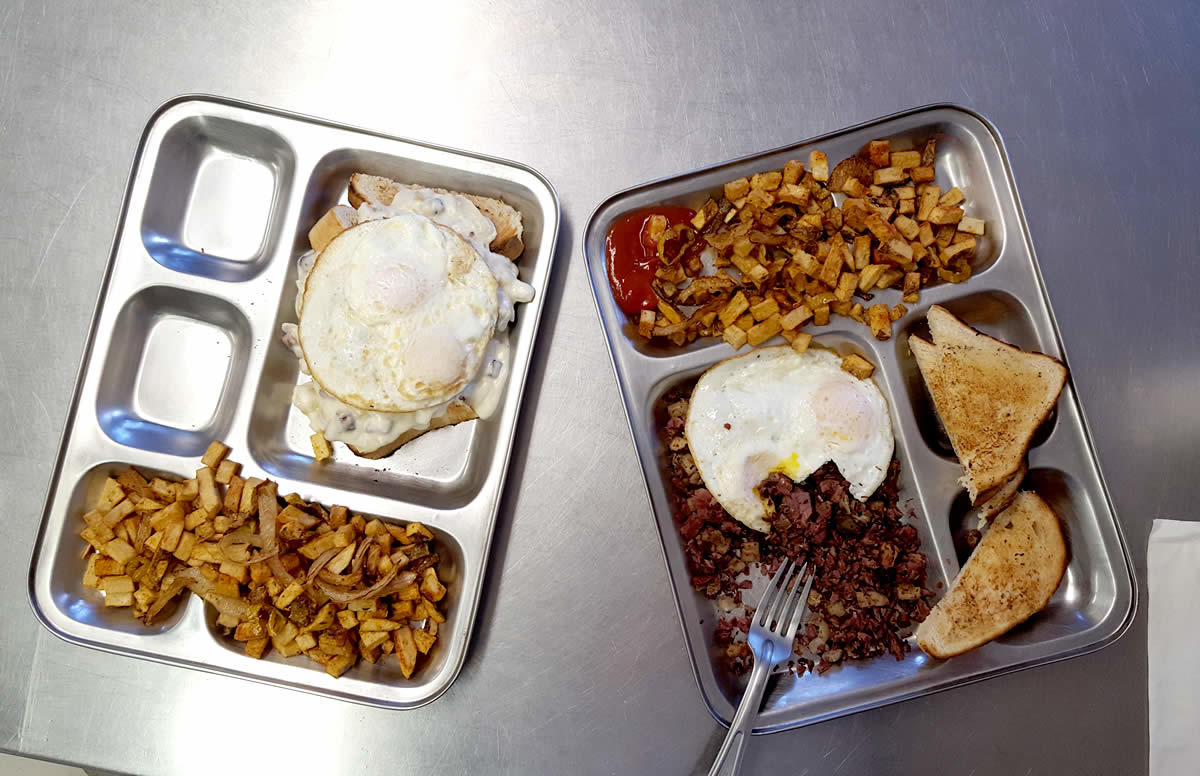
858, 366
907, 207
760, 200
894, 252
431, 586
971, 225
733, 308
107, 567
944, 235
118, 513
853, 187
952, 197
801, 341
256, 648
118, 599
846, 286
922, 174
925, 235
877, 152
889, 277
821, 315
905, 192
188, 490
306, 641
832, 268
406, 650
762, 332
912, 287
336, 220
210, 499
248, 500
373, 639
908, 227
737, 189
880, 321
887, 176
119, 550
945, 214
226, 470
111, 494
95, 521
793, 194
646, 323
880, 227
347, 619
322, 450
897, 312
766, 181
289, 594
424, 641
163, 490
792, 171
807, 262
764, 309
419, 529
121, 584
377, 624
250, 629
795, 317
963, 248
906, 159
818, 166
735, 336
215, 453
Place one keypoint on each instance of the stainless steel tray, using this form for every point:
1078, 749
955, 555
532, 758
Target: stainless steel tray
185, 347
1006, 298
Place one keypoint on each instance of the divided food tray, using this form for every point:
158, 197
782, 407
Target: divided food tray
1005, 298
185, 347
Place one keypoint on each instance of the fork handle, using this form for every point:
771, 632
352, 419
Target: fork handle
734, 747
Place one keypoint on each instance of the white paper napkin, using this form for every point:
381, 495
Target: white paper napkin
1173, 573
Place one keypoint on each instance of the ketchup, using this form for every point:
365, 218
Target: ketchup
633, 256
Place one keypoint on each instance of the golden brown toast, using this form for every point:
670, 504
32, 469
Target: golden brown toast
990, 396
1011, 576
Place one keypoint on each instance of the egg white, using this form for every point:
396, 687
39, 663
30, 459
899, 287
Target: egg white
775, 410
397, 314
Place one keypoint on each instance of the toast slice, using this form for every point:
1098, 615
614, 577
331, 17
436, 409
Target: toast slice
997, 499
1010, 577
458, 411
990, 396
507, 219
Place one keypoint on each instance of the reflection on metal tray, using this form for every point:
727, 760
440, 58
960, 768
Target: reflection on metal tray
185, 348
1005, 298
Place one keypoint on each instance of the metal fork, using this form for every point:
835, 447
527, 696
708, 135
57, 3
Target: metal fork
771, 644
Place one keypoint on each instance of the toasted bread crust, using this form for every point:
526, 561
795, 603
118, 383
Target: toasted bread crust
990, 396
1011, 576
506, 218
457, 411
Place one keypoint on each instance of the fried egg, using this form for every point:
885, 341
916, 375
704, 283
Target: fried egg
776, 410
397, 314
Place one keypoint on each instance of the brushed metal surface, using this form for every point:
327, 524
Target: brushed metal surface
1098, 104
1094, 604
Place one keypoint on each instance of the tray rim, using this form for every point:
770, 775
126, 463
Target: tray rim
469, 606
1085, 427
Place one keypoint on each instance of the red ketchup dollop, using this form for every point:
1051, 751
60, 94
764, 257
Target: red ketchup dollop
633, 256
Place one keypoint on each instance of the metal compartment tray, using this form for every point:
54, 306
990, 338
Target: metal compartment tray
185, 347
1005, 298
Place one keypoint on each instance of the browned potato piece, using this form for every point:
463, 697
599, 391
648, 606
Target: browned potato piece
858, 366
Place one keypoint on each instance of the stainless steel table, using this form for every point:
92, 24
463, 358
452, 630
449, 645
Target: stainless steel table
1099, 104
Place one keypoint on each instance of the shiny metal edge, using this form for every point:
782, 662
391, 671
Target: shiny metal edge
50, 530
620, 349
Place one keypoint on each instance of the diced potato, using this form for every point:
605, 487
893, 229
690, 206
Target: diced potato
215, 453
877, 152
906, 159
795, 317
406, 650
952, 197
256, 648
289, 594
111, 494
766, 181
922, 174
880, 321
322, 450
858, 366
431, 586
886, 176
118, 513
818, 166
971, 225
853, 187
423, 641
764, 309
737, 189
792, 172
945, 214
210, 499
306, 641
119, 550
908, 227
912, 287
762, 332
847, 284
